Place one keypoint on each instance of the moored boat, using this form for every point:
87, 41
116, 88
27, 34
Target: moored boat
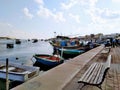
35, 40
66, 47
46, 61
70, 53
17, 72
18, 41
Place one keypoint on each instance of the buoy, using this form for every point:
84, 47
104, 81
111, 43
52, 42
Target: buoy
17, 58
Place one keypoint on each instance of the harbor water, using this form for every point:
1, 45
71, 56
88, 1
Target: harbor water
23, 53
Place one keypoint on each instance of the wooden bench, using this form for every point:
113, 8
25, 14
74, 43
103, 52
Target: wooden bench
95, 74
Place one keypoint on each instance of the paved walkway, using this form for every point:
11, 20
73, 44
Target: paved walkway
58, 77
112, 80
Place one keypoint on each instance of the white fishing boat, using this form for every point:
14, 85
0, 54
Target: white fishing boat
17, 72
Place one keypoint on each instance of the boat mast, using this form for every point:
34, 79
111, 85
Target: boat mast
7, 81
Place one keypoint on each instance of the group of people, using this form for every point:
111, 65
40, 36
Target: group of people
115, 42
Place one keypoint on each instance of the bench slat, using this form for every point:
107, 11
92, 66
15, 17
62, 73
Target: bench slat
85, 75
93, 75
98, 74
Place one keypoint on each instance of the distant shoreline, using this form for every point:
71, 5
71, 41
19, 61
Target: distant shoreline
5, 38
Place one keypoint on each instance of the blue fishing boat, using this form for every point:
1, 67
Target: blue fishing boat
47, 61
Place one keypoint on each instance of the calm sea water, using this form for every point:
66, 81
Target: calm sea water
23, 51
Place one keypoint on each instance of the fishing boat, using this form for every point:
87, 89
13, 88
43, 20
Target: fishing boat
70, 53
35, 40
46, 61
66, 47
71, 48
17, 41
17, 72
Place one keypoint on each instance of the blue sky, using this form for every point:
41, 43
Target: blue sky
41, 18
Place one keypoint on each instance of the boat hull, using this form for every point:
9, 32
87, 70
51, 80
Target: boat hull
70, 53
46, 64
18, 72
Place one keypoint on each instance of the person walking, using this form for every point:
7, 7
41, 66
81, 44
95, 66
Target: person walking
114, 43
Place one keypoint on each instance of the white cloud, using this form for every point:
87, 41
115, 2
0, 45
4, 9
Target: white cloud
104, 20
12, 32
7, 24
109, 14
10, 25
47, 13
69, 5
59, 17
39, 2
101, 15
44, 12
72, 3
107, 28
94, 13
93, 3
75, 17
116, 1
27, 13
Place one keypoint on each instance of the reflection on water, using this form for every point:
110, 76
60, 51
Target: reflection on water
22, 53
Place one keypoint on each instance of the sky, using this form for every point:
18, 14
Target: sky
48, 18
